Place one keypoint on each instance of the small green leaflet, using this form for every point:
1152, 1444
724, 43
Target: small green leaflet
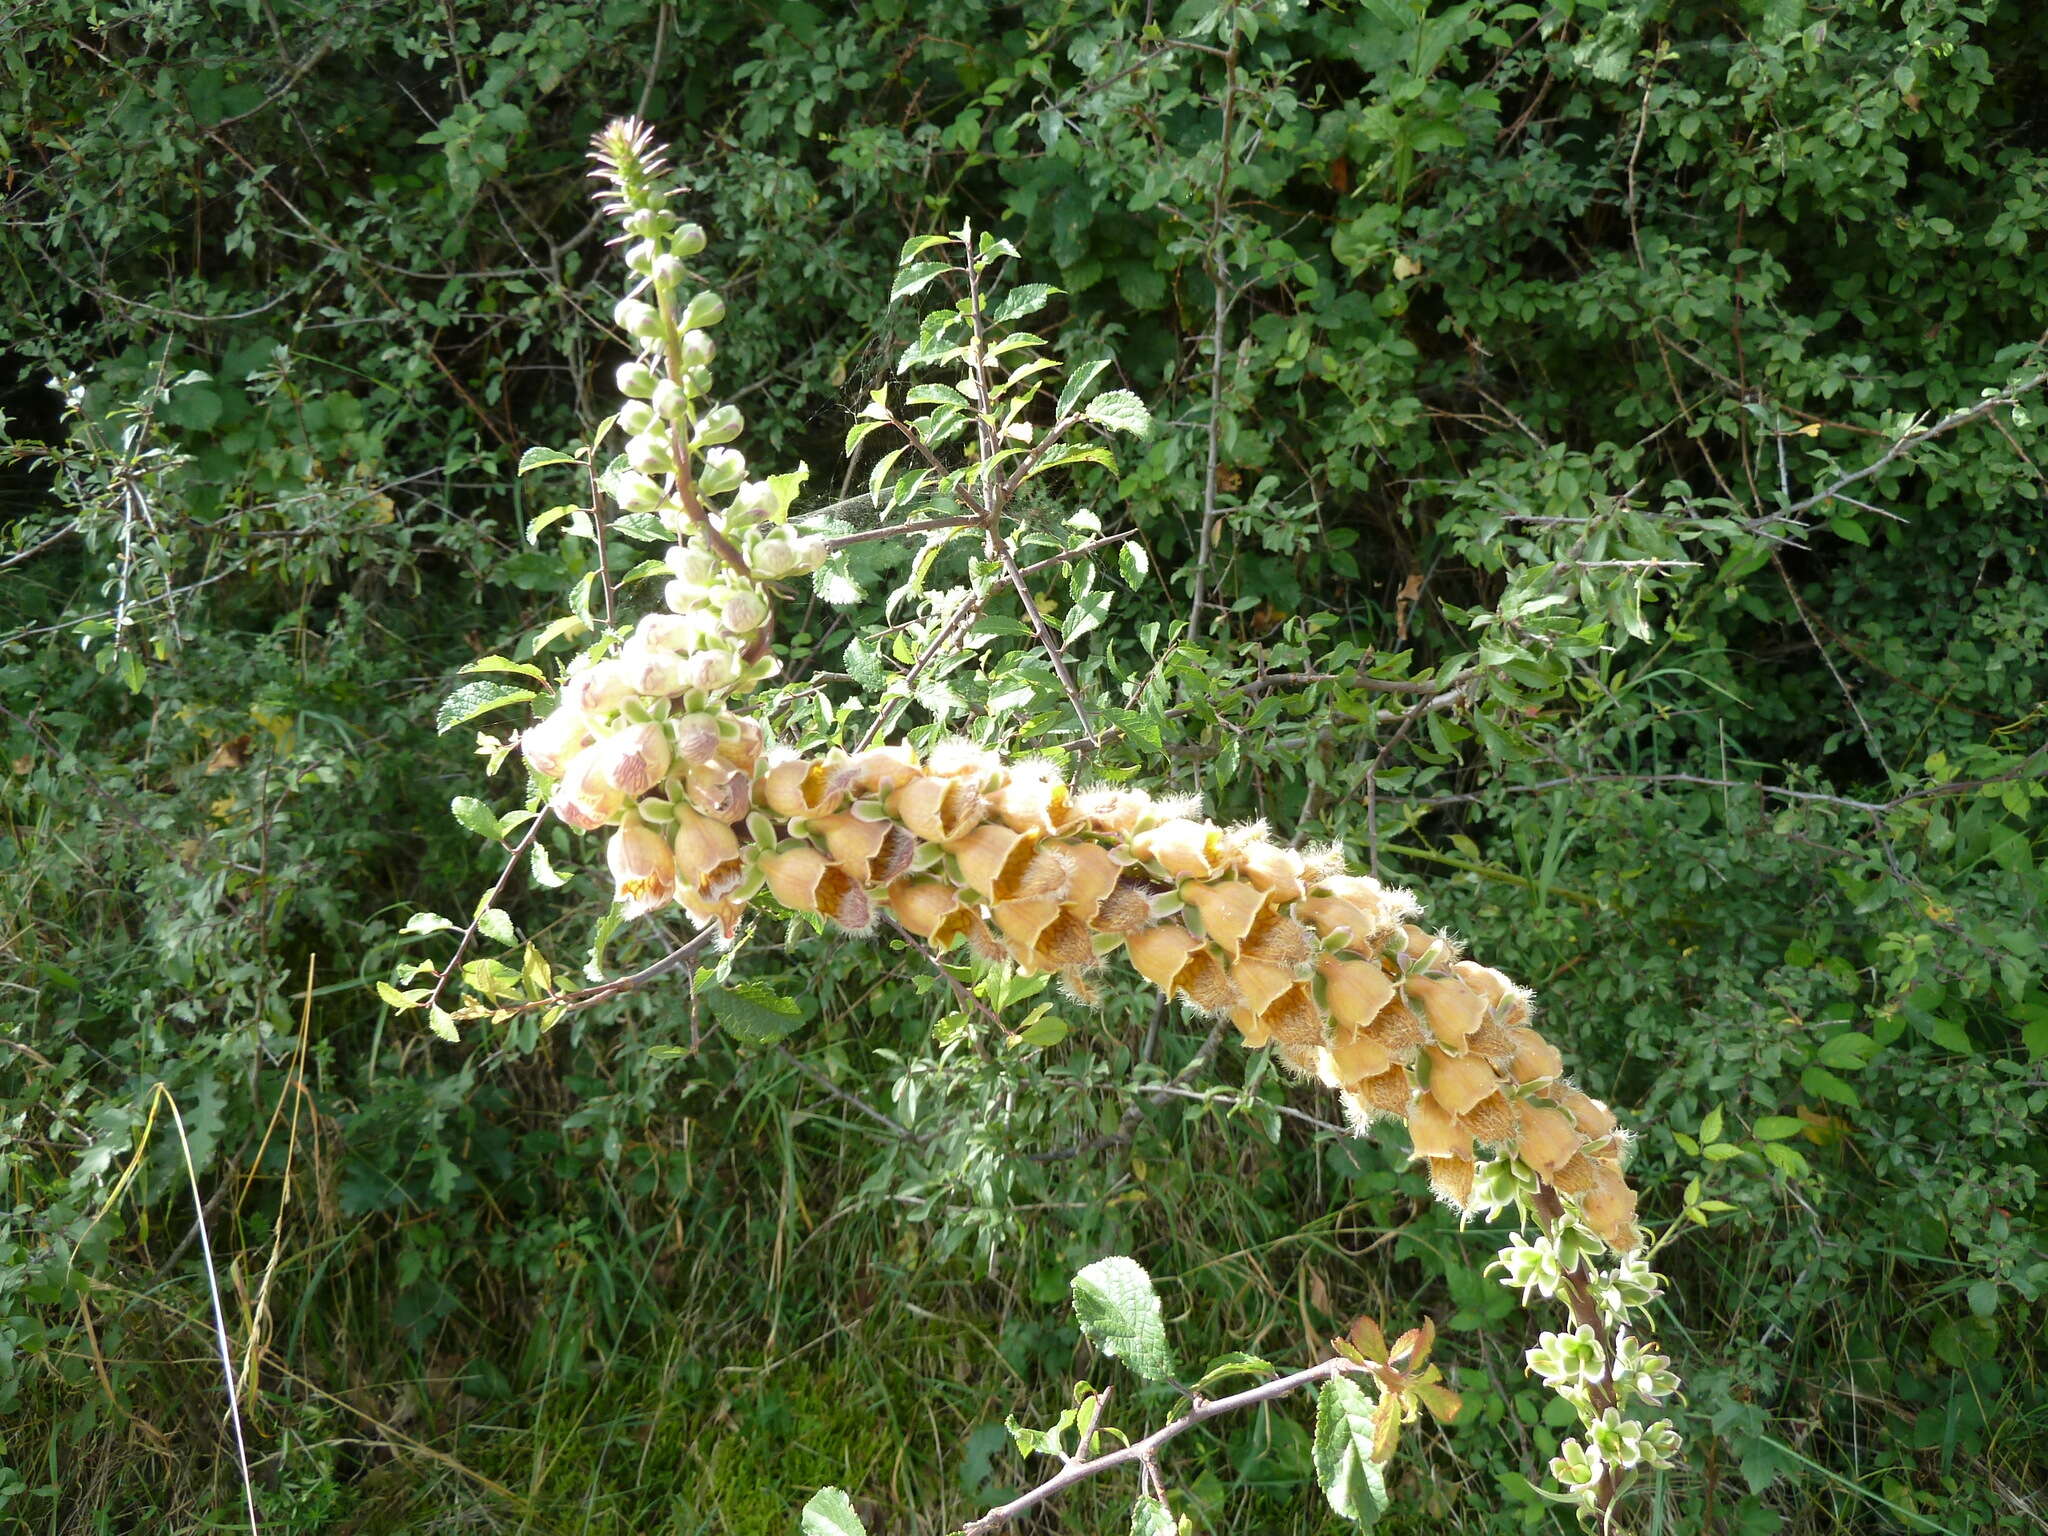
1351, 1479
541, 458
831, 1513
1120, 411
1133, 564
495, 924
1149, 1517
473, 699
750, 1012
1119, 1311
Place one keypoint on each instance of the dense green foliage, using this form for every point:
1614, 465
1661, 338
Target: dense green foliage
1508, 295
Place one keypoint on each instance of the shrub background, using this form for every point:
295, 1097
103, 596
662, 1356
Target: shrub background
1509, 292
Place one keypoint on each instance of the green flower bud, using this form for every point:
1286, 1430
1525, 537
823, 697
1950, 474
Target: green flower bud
667, 272
751, 502
811, 553
649, 454
669, 400
723, 469
640, 257
744, 611
635, 318
698, 349
772, 556
706, 309
689, 563
647, 223
688, 239
636, 493
636, 416
720, 426
636, 380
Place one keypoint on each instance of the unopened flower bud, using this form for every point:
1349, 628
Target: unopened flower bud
640, 257
643, 869
719, 426
710, 670
688, 239
649, 454
667, 272
635, 379
689, 562
754, 499
773, 556
810, 552
636, 416
698, 349
669, 400
647, 223
723, 469
696, 738
633, 316
704, 311
744, 612
635, 492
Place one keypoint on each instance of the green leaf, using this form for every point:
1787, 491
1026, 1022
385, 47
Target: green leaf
473, 699
1119, 1311
750, 1012
1820, 1081
442, 1023
1849, 1052
917, 245
1149, 1517
506, 664
1132, 562
477, 817
1077, 386
831, 1513
1120, 411
426, 922
1351, 1479
495, 924
916, 277
1777, 1127
541, 458
544, 871
1025, 299
1236, 1363
1787, 1160
1710, 1128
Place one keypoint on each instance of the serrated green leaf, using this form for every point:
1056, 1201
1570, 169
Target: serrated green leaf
1120, 411
1849, 1052
1777, 1127
442, 1023
917, 276
541, 458
1119, 1312
426, 922
1822, 1083
831, 1513
751, 1012
1786, 1159
1149, 1517
473, 699
1710, 1128
1350, 1478
1025, 299
917, 245
402, 1001
476, 816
